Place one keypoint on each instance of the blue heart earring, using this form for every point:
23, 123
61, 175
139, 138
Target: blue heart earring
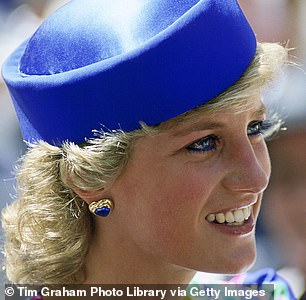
101, 208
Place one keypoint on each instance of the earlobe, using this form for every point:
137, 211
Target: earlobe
90, 196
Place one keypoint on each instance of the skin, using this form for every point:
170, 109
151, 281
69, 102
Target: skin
158, 232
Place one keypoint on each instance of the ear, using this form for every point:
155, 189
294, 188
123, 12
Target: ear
90, 196
87, 195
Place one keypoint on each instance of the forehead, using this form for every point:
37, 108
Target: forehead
207, 117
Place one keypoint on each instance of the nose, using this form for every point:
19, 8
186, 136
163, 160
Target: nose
248, 167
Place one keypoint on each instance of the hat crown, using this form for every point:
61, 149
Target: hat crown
115, 63
109, 28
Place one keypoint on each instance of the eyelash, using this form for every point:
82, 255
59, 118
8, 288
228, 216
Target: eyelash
265, 128
211, 142
259, 127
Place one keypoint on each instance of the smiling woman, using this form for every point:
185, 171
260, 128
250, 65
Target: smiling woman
189, 178
178, 171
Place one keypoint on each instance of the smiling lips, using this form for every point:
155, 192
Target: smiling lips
233, 217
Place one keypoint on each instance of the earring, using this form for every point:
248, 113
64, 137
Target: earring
101, 208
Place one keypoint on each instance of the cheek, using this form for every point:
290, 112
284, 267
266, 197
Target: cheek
166, 201
171, 186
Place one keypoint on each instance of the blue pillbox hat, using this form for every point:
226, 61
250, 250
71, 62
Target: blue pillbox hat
115, 63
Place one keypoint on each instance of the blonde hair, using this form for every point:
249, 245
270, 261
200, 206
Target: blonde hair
48, 228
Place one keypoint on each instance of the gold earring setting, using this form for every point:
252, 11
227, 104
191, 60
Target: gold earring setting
101, 208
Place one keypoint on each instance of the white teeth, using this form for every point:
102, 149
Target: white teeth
235, 217
229, 217
238, 215
220, 218
246, 212
211, 218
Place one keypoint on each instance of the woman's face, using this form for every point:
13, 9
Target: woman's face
179, 186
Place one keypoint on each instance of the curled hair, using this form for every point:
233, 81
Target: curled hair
48, 228
46, 225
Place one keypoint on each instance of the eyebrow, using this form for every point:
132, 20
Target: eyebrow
260, 111
200, 126
209, 125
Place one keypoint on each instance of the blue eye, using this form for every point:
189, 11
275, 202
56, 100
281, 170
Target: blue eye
205, 144
260, 127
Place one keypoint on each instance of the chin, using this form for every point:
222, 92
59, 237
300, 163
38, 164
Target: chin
239, 269
232, 269
241, 264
